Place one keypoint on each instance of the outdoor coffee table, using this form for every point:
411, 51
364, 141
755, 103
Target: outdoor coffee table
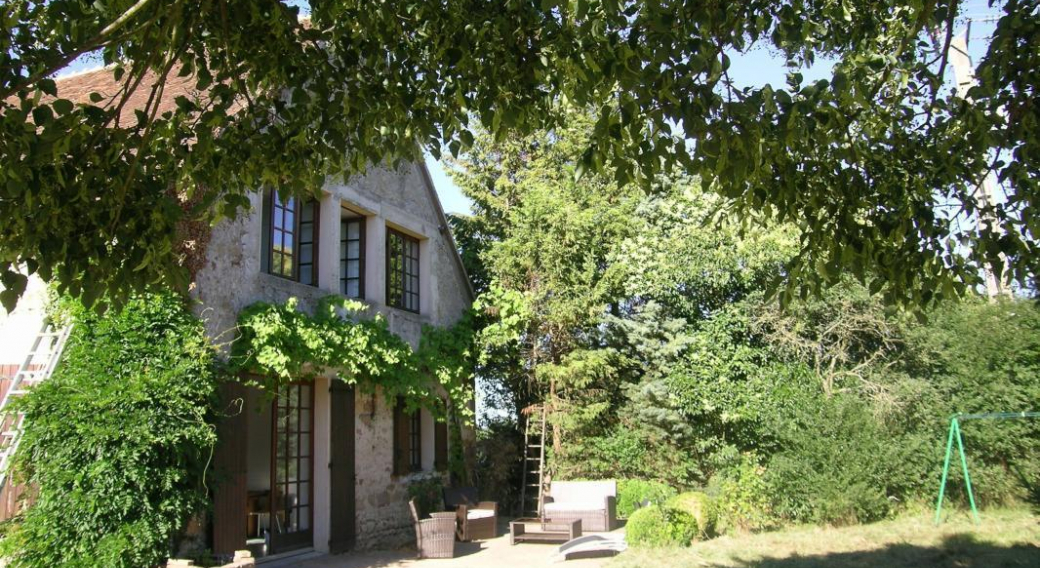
540, 530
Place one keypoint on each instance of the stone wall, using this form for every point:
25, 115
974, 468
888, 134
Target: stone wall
232, 280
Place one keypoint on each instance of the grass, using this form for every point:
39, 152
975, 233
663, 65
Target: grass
1005, 538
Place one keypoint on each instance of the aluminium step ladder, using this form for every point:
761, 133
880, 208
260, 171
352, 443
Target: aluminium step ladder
532, 489
37, 367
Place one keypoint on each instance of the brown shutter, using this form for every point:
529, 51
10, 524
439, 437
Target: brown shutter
440, 446
401, 441
229, 461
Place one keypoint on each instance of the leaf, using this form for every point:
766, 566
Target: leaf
48, 86
9, 299
42, 115
63, 106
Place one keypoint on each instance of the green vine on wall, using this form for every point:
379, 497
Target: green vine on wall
280, 343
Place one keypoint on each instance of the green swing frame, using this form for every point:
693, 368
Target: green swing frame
955, 432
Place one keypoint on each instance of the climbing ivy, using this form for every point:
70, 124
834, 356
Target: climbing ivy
119, 440
280, 343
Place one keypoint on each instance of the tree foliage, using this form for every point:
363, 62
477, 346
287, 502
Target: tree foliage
878, 164
118, 442
677, 368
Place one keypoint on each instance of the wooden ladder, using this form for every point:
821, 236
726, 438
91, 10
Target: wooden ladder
534, 465
37, 367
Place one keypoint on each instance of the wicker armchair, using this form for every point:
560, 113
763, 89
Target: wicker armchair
477, 520
434, 537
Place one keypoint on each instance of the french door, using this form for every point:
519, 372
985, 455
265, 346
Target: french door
292, 468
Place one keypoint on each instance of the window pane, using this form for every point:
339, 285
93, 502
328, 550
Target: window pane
353, 250
353, 269
354, 230
353, 289
306, 232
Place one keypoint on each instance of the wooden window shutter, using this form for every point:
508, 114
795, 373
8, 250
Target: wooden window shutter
401, 439
440, 446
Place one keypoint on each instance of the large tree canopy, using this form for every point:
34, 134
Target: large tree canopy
880, 165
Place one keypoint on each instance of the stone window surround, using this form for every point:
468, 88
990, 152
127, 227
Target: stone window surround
375, 225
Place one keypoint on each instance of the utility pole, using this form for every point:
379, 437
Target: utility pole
964, 75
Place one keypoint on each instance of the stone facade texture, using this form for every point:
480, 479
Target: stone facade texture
232, 279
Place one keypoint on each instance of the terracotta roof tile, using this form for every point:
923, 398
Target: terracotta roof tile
78, 87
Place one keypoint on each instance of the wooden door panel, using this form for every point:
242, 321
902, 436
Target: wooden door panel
342, 468
229, 464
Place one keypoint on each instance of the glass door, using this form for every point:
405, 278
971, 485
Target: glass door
292, 467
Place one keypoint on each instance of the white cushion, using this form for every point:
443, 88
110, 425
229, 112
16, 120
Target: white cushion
583, 492
479, 514
575, 506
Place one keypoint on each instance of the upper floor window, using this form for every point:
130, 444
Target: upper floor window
290, 237
402, 271
352, 255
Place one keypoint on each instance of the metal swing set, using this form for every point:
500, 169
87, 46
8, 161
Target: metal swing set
955, 432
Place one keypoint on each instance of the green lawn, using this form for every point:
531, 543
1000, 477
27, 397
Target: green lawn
1009, 538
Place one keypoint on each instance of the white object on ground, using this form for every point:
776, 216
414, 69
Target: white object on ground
591, 546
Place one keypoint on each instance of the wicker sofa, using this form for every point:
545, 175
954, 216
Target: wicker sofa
477, 520
434, 537
594, 502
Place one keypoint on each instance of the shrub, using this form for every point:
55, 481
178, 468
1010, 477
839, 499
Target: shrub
498, 467
118, 441
632, 493
428, 492
834, 465
699, 506
660, 526
743, 496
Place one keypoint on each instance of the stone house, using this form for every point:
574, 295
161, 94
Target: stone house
321, 466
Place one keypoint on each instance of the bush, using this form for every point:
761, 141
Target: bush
660, 526
428, 492
118, 441
632, 493
699, 506
834, 466
743, 497
498, 465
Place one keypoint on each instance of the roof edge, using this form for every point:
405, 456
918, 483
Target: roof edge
432, 191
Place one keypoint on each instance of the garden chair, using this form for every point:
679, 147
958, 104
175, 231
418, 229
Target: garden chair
477, 520
434, 537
